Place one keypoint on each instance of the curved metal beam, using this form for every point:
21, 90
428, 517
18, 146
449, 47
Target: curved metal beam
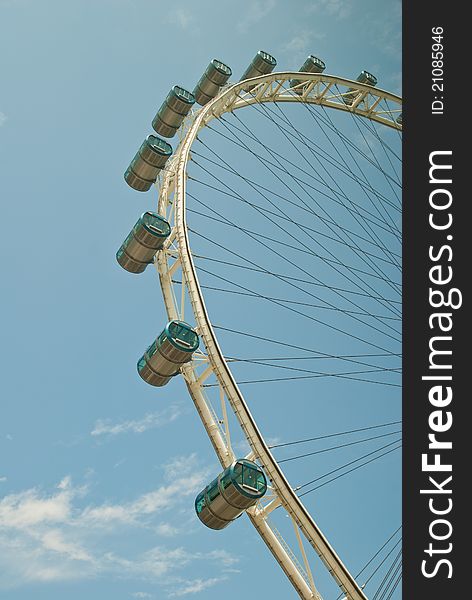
317, 89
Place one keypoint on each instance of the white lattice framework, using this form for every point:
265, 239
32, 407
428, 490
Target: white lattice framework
372, 103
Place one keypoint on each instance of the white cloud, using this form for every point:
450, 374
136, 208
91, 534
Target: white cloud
300, 46
28, 509
54, 540
3, 118
141, 595
254, 13
339, 9
149, 421
57, 536
180, 465
3, 479
223, 557
167, 530
180, 17
195, 586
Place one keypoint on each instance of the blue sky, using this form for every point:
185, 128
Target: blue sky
98, 472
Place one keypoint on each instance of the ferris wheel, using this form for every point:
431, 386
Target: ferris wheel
193, 344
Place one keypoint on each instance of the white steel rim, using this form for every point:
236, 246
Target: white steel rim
176, 255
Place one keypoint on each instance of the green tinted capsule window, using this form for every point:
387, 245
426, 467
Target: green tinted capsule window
318, 62
155, 224
159, 145
225, 480
182, 335
200, 503
267, 57
161, 338
250, 477
221, 67
152, 349
183, 94
366, 77
213, 490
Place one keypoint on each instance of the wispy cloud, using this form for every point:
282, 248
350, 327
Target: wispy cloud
254, 13
181, 17
149, 421
3, 479
387, 33
300, 46
58, 536
195, 586
3, 118
339, 9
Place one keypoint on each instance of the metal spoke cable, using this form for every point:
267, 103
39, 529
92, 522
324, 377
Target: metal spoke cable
389, 578
283, 276
311, 317
284, 257
358, 252
330, 435
271, 249
300, 370
348, 464
371, 560
296, 303
349, 141
387, 178
367, 191
279, 275
324, 155
338, 447
384, 560
360, 221
373, 130
327, 220
304, 248
348, 375
337, 132
265, 271
324, 118
288, 277
395, 585
361, 312
329, 223
350, 471
288, 282
273, 193
392, 226
303, 184
386, 214
297, 347
365, 156
339, 194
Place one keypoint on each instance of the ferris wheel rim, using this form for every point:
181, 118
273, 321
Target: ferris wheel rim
174, 180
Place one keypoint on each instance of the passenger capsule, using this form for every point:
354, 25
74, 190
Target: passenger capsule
144, 240
364, 77
262, 64
149, 160
311, 65
235, 490
399, 119
173, 110
214, 77
164, 357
